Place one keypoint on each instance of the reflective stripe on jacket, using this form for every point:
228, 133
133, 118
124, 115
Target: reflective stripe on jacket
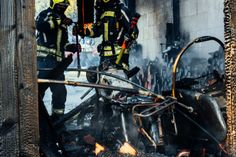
51, 34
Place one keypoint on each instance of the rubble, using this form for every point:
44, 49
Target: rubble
141, 154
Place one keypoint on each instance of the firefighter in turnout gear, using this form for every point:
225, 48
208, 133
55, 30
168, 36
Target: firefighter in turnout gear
52, 41
113, 23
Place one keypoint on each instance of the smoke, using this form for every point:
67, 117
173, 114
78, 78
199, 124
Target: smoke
156, 73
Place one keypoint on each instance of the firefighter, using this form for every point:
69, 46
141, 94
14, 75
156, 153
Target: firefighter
52, 41
113, 23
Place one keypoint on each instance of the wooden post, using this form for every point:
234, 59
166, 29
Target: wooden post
230, 73
19, 129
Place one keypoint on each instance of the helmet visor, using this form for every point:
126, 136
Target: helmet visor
60, 7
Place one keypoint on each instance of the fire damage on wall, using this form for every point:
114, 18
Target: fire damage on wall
173, 105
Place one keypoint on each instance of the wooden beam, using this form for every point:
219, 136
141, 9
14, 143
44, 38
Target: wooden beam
230, 72
19, 131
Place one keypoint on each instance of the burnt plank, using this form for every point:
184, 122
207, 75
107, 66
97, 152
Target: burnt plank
18, 87
8, 100
230, 72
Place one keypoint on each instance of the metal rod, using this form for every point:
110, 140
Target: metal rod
144, 132
86, 93
124, 127
160, 130
92, 85
114, 76
175, 65
173, 121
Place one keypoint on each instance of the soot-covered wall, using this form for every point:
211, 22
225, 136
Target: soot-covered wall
164, 31
197, 18
152, 25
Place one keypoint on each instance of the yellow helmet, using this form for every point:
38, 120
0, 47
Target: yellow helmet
54, 2
105, 1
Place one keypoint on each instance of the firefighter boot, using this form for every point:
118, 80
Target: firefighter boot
56, 114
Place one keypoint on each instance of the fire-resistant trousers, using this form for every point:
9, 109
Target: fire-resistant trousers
59, 91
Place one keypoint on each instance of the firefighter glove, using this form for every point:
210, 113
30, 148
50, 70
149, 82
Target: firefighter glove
73, 48
134, 33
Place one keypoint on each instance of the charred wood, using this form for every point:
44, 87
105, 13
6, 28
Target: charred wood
230, 67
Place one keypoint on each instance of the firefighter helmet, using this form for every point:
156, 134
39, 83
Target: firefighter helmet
54, 2
106, 1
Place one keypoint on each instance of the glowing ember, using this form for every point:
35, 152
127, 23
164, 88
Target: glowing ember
183, 153
98, 148
127, 149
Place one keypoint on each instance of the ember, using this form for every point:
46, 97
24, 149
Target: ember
98, 148
127, 149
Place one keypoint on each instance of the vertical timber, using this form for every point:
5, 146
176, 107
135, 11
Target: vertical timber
230, 72
18, 88
19, 130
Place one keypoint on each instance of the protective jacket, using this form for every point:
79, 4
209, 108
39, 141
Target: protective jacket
113, 23
52, 36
